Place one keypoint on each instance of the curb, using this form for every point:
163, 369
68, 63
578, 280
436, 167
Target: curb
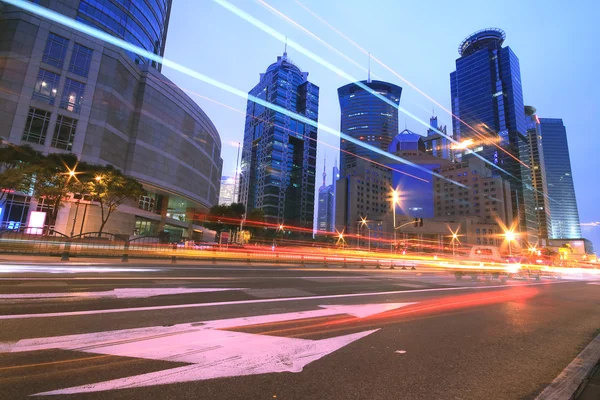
572, 381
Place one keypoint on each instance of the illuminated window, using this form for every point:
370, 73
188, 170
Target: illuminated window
72, 95
64, 133
56, 48
46, 86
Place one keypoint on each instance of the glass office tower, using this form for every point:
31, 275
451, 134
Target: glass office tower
140, 22
487, 101
279, 152
538, 174
367, 118
561, 192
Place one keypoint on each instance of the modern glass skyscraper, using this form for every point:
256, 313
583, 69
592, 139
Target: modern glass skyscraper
538, 174
326, 206
279, 152
140, 22
563, 204
367, 118
487, 101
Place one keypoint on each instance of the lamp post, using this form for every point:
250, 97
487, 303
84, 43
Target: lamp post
454, 237
395, 197
510, 236
363, 222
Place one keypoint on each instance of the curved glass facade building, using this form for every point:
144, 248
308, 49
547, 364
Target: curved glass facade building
367, 118
140, 22
279, 153
83, 96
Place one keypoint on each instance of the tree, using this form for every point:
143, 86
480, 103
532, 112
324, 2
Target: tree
223, 218
17, 167
255, 223
110, 188
56, 176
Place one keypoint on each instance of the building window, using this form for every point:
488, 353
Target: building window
147, 203
80, 60
56, 48
46, 86
72, 95
64, 133
36, 126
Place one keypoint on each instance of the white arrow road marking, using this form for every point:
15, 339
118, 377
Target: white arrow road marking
124, 293
212, 353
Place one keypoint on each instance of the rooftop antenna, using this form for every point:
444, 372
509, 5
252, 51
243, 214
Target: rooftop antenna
324, 169
285, 49
369, 70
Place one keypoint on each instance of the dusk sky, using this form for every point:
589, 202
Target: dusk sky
556, 43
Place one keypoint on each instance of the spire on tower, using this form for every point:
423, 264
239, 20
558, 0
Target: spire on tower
285, 49
324, 170
369, 70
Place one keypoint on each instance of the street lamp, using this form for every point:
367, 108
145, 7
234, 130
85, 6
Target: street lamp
454, 237
395, 198
363, 222
510, 236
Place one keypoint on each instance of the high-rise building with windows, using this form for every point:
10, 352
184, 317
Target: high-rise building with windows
487, 103
564, 216
279, 152
64, 91
228, 192
326, 206
367, 118
538, 174
140, 22
437, 144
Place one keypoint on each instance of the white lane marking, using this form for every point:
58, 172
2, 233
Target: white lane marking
120, 293
17, 268
276, 292
593, 283
566, 384
400, 351
213, 353
256, 301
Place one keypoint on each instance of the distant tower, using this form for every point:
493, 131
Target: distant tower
538, 175
564, 216
278, 157
487, 107
367, 118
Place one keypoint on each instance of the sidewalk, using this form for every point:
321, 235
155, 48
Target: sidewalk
591, 391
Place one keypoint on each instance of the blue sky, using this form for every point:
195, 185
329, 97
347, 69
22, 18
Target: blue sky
556, 43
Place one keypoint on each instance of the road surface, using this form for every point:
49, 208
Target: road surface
246, 332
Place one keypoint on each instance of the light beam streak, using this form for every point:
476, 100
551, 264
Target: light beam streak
401, 77
81, 27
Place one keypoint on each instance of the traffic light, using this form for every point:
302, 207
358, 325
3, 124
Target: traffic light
416, 222
420, 222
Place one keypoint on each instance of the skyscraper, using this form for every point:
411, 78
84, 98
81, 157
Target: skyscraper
227, 192
538, 174
279, 153
436, 144
561, 193
142, 23
326, 206
367, 118
487, 103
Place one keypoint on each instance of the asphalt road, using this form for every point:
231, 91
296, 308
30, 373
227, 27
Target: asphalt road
204, 332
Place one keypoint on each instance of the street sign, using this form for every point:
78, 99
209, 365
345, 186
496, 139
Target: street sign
208, 347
